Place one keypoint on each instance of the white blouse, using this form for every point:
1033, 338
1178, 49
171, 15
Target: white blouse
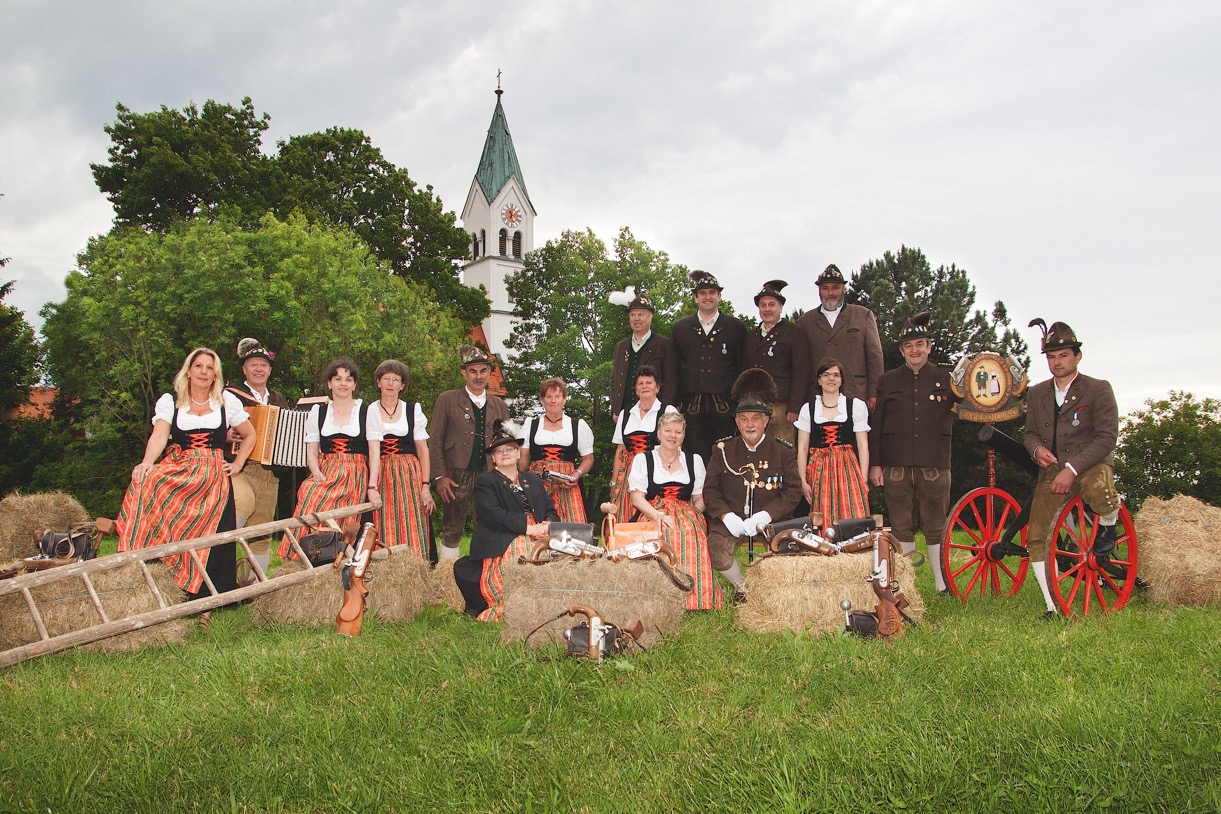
235, 413
399, 425
635, 422
373, 427
860, 415
638, 477
561, 437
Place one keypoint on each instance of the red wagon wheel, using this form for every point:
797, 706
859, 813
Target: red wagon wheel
1078, 583
978, 565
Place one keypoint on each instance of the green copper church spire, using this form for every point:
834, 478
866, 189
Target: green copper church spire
499, 160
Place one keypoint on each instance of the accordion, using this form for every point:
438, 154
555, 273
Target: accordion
279, 436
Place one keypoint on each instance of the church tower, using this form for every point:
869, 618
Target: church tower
499, 218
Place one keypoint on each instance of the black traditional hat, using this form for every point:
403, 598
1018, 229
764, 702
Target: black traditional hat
473, 355
250, 348
916, 327
1057, 337
755, 391
771, 288
630, 298
504, 432
702, 279
831, 274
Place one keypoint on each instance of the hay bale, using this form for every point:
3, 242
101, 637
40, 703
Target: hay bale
402, 584
314, 602
65, 607
804, 592
23, 515
618, 591
1178, 549
445, 591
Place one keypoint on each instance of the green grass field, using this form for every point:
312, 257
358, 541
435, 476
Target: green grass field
986, 708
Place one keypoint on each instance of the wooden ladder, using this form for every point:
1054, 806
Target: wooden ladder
164, 612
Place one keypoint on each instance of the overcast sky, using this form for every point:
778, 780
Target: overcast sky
1065, 154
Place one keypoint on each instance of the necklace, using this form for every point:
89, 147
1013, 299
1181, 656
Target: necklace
826, 406
200, 403
559, 420
389, 413
669, 465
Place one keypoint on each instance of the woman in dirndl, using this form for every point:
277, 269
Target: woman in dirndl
403, 456
512, 510
343, 464
635, 433
667, 486
555, 442
187, 493
833, 448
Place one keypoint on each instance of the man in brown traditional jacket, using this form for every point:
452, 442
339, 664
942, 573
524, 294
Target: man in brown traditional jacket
643, 347
909, 444
848, 333
1072, 424
457, 447
782, 349
751, 458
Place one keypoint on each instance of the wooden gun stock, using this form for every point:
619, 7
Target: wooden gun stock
352, 613
890, 604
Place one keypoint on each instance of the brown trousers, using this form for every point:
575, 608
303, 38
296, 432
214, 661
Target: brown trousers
1096, 486
255, 492
453, 525
917, 496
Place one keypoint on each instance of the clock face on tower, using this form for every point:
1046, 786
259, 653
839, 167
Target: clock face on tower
511, 215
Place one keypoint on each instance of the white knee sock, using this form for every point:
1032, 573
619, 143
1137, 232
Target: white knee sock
241, 522
734, 575
448, 552
264, 561
934, 558
1040, 574
1109, 519
907, 548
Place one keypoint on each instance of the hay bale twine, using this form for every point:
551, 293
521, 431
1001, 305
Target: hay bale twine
445, 591
1178, 544
314, 602
618, 591
23, 515
400, 586
65, 607
804, 592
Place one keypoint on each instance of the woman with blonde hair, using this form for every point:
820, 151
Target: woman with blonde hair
667, 486
403, 455
556, 442
187, 493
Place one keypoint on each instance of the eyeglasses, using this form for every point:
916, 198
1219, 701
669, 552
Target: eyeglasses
830, 374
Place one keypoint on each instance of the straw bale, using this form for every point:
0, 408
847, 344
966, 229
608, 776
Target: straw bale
65, 607
314, 602
400, 585
444, 589
1178, 547
23, 515
618, 591
804, 592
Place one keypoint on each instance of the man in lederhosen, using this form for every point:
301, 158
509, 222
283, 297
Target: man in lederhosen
909, 443
256, 489
753, 458
643, 347
710, 346
848, 333
782, 349
1072, 424
461, 429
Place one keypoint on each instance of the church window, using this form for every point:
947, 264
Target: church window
474, 246
517, 245
504, 242
483, 242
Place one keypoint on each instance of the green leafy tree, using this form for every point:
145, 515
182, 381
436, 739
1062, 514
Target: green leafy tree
567, 328
899, 285
19, 352
140, 301
1171, 447
168, 166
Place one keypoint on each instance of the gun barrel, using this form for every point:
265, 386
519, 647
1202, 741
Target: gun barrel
1011, 448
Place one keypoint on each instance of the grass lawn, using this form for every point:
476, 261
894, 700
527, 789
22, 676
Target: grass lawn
986, 708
